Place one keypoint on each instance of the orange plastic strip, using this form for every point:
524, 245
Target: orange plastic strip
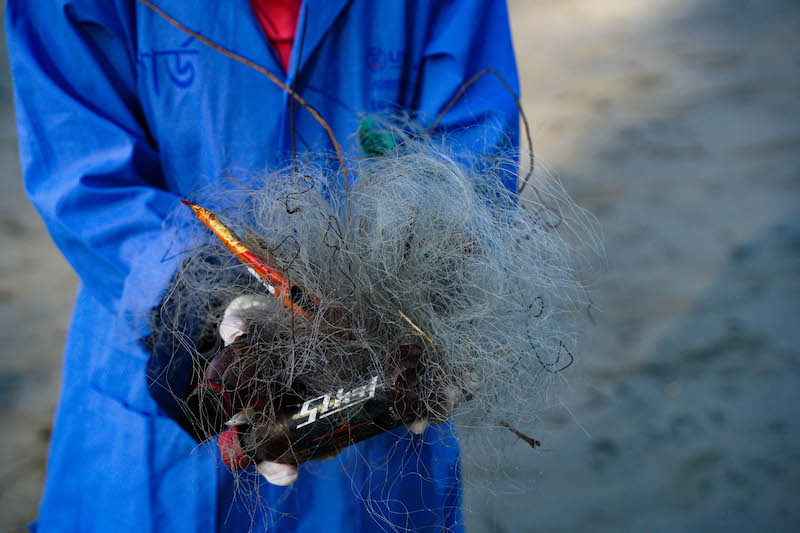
274, 281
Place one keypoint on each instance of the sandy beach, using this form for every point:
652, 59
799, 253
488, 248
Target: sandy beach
677, 123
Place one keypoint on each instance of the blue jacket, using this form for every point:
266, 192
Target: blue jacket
120, 114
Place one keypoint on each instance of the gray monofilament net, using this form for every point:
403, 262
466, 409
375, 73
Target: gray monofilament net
427, 249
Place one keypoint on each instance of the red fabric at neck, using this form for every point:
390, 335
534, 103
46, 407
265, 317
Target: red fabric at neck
278, 19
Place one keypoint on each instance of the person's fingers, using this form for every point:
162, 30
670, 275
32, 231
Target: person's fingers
245, 416
277, 473
471, 381
232, 327
451, 395
418, 427
440, 413
234, 319
219, 364
442, 409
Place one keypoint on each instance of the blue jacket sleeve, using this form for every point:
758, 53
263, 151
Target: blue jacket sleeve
464, 38
94, 174
89, 165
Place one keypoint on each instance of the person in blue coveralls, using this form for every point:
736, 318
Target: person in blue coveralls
120, 114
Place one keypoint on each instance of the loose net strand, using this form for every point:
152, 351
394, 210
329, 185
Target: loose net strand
526, 126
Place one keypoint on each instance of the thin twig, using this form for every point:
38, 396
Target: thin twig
533, 442
524, 117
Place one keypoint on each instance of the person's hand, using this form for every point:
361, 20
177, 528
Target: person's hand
234, 325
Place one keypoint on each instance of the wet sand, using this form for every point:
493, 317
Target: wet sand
676, 124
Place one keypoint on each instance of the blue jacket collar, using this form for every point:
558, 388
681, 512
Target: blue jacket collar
316, 18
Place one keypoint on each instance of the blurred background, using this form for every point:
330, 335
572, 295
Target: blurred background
677, 123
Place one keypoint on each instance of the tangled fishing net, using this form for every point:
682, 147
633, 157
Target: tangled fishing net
429, 257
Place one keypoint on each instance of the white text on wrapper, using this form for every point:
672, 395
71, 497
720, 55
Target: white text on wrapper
331, 403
